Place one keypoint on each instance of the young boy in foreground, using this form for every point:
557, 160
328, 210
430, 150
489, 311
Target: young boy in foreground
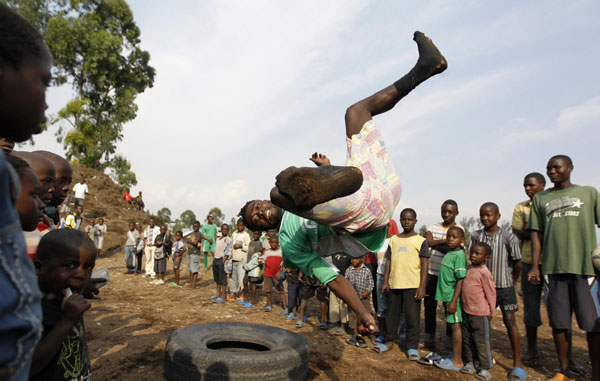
405, 280
64, 263
359, 276
505, 266
271, 260
179, 248
449, 287
479, 303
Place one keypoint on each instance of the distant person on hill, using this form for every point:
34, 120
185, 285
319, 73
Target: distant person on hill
139, 202
150, 234
89, 228
208, 246
80, 190
131, 243
62, 183
99, 232
127, 197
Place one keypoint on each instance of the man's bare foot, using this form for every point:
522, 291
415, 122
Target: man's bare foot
308, 187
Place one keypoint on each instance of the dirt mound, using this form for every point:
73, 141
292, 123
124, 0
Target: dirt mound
105, 199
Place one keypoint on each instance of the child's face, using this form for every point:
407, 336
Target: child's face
449, 213
478, 256
356, 262
72, 268
274, 242
101, 221
163, 230
272, 232
79, 209
131, 226
408, 221
29, 204
256, 235
178, 236
62, 181
46, 173
196, 227
489, 216
23, 96
454, 239
532, 186
240, 226
224, 230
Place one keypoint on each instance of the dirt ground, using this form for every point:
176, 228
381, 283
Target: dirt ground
128, 325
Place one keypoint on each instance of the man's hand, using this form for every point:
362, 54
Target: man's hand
366, 323
237, 246
451, 308
534, 275
420, 294
365, 294
320, 159
74, 308
385, 287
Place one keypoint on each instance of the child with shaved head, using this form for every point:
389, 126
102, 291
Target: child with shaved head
64, 262
505, 265
62, 182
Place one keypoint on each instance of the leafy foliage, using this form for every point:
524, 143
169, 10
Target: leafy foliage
95, 46
120, 171
187, 218
164, 214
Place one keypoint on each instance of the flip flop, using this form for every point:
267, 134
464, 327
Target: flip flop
380, 348
352, 341
446, 364
517, 374
429, 359
468, 369
413, 355
483, 374
378, 340
362, 343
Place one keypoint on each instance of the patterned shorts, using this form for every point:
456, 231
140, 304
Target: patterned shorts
372, 205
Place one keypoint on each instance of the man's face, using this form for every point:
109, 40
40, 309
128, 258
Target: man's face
72, 269
558, 170
532, 186
23, 96
46, 173
449, 213
209, 220
29, 204
151, 223
263, 214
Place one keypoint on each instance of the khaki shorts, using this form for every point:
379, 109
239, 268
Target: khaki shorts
270, 283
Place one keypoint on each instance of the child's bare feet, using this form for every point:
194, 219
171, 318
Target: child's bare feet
307, 187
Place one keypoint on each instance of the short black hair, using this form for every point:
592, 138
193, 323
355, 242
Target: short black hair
562, 157
453, 228
487, 250
56, 242
491, 205
19, 40
178, 232
242, 215
450, 202
18, 164
538, 176
409, 210
241, 220
196, 222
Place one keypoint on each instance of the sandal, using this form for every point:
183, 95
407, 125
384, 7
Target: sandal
483, 374
446, 364
361, 342
413, 355
429, 358
380, 348
468, 369
378, 340
352, 341
517, 374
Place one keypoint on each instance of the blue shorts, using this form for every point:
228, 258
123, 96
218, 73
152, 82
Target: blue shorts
194, 263
177, 261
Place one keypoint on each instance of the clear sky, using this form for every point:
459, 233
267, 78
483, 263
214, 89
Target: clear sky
245, 89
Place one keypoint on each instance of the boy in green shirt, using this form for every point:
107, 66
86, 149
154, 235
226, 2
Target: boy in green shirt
208, 246
563, 238
452, 273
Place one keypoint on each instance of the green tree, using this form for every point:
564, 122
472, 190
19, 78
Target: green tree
470, 224
164, 214
120, 171
187, 218
95, 46
218, 216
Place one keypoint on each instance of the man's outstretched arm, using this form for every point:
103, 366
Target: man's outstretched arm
344, 290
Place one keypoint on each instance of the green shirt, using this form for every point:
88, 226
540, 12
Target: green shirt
297, 236
566, 218
453, 268
210, 231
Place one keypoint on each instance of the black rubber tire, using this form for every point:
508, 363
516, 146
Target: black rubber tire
188, 357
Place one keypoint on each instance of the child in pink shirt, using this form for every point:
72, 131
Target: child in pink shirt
479, 304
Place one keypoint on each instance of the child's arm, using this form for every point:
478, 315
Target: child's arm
439, 244
71, 314
452, 306
489, 291
300, 276
421, 291
385, 287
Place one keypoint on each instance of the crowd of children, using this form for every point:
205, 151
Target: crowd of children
42, 331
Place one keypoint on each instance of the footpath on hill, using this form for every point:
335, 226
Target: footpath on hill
129, 323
